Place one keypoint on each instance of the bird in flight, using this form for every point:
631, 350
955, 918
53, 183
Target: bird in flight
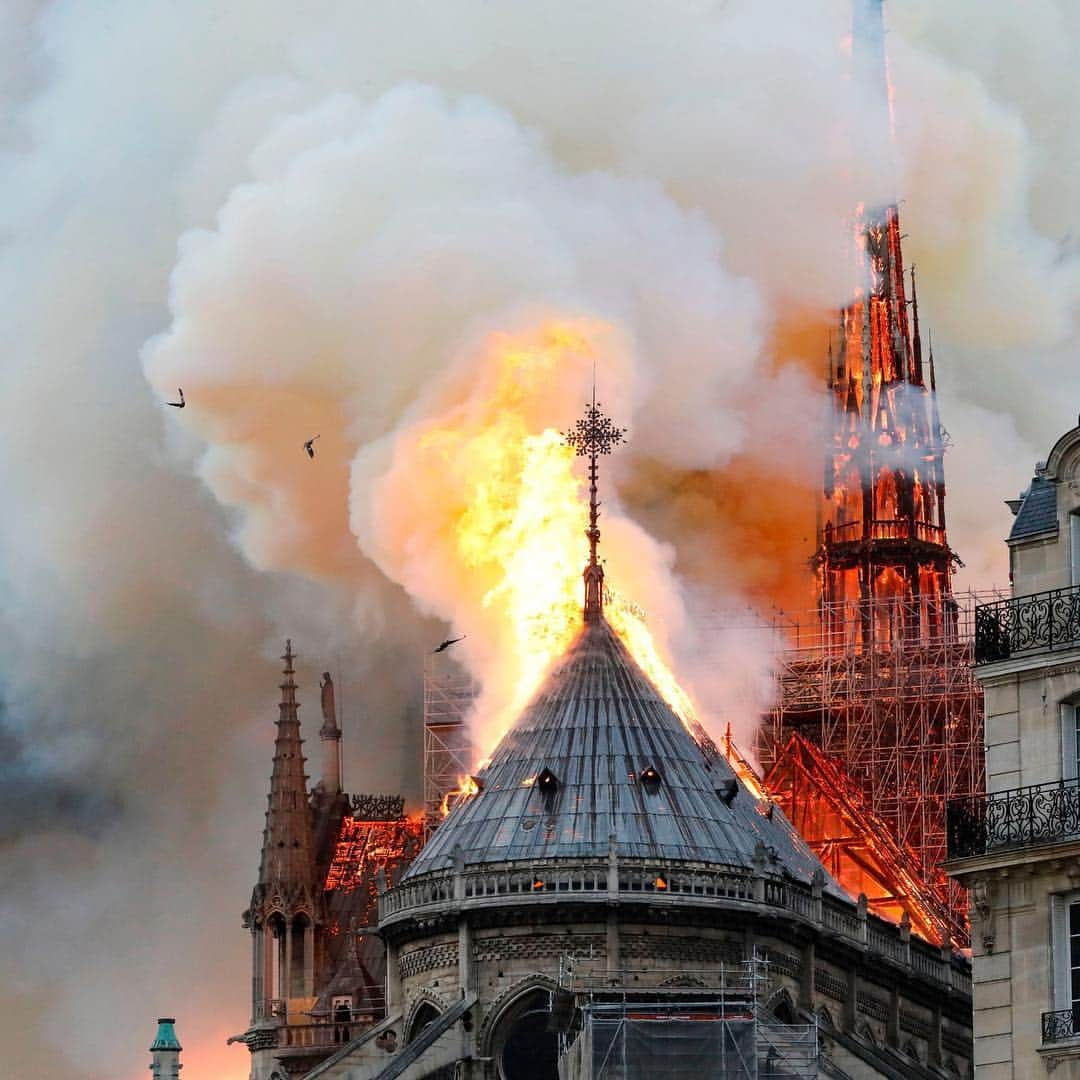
309, 446
449, 641
178, 404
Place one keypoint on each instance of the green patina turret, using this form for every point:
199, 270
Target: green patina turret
166, 1050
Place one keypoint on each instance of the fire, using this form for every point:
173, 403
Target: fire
467, 787
510, 513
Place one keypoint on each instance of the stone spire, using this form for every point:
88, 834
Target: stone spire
166, 1050
288, 863
593, 435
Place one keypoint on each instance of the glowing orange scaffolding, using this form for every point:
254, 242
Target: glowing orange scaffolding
904, 721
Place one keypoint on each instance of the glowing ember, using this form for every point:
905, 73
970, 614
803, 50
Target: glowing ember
363, 849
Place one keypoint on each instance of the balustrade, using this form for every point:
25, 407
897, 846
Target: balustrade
883, 529
1041, 622
1060, 1025
271, 1009
640, 879
1018, 818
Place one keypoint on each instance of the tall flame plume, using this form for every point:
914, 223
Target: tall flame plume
508, 518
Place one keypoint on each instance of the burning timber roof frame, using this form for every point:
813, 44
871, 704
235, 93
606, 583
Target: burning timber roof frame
804, 781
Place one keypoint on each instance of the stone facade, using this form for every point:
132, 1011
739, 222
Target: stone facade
1018, 851
497, 953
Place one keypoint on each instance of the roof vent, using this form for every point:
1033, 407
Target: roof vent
650, 780
727, 791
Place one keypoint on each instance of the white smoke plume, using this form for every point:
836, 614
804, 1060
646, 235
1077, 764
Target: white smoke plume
312, 218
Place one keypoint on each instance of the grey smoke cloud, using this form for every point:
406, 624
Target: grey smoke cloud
682, 170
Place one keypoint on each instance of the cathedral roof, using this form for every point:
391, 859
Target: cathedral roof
599, 754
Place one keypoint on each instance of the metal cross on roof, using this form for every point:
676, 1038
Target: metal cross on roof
591, 436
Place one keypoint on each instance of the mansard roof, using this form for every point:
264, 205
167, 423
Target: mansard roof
1037, 512
599, 754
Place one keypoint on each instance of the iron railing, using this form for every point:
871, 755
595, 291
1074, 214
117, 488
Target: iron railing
1060, 1025
883, 529
1019, 818
1037, 623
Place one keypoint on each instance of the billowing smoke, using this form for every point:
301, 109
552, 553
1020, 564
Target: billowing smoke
315, 219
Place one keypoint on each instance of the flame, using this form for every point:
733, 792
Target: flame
467, 787
510, 506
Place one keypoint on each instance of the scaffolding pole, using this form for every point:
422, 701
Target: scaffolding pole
449, 695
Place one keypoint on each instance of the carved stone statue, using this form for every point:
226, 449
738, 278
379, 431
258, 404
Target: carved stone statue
982, 911
329, 709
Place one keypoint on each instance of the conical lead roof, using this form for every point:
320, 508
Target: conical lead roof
597, 754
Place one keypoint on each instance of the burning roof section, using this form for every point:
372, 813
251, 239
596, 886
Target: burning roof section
599, 760
616, 762
828, 810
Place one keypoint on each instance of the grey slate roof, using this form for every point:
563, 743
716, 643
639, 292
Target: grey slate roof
598, 724
1038, 510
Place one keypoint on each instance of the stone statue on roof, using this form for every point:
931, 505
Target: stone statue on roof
329, 709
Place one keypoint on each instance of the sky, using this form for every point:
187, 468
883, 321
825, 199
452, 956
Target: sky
324, 218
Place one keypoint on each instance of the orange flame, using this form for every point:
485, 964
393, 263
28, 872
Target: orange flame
509, 502
467, 787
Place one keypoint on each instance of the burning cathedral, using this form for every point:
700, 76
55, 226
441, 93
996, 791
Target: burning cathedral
611, 896
614, 896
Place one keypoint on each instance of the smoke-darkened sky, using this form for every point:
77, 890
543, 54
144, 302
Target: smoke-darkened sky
314, 218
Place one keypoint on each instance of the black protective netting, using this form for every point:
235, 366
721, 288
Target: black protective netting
694, 1049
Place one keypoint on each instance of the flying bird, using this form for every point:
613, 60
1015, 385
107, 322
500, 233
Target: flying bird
178, 404
449, 641
309, 447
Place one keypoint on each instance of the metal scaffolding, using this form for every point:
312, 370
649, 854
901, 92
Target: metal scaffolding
449, 694
903, 717
634, 1024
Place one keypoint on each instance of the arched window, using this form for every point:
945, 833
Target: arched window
425, 1014
298, 957
523, 1046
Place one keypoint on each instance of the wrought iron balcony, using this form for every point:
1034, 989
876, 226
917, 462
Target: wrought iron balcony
1041, 622
1061, 1025
1019, 818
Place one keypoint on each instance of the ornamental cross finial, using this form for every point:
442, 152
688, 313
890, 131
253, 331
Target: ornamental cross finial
593, 435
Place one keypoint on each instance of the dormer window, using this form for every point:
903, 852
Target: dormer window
548, 785
727, 791
650, 780
547, 782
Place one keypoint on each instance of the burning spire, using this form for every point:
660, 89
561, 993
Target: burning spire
883, 560
593, 435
